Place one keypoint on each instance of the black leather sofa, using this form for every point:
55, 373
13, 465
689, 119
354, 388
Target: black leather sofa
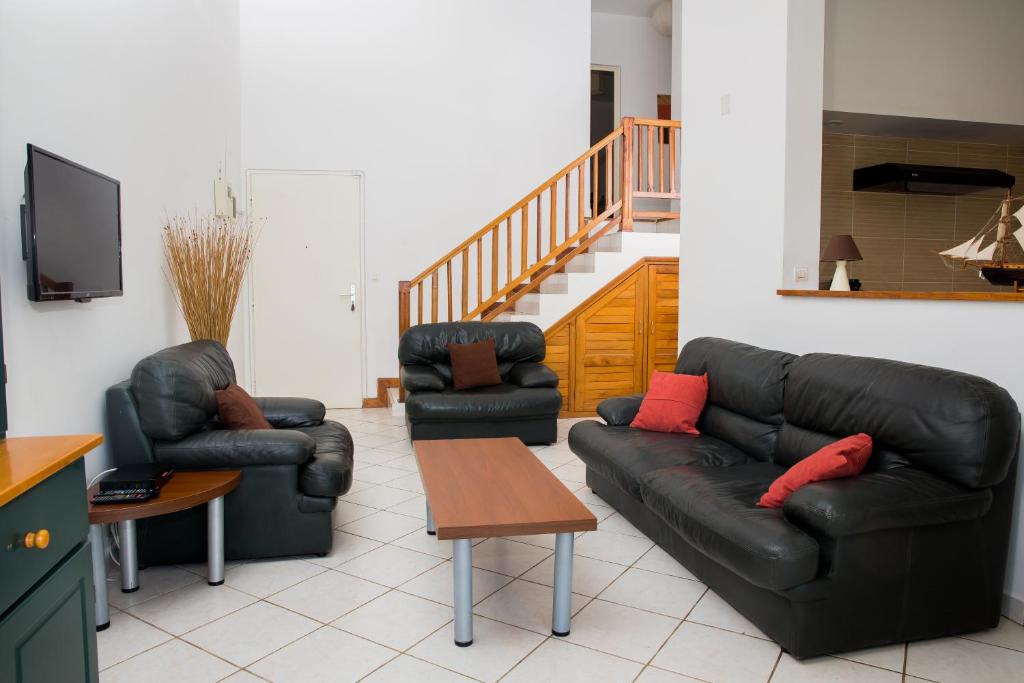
291, 475
915, 547
525, 404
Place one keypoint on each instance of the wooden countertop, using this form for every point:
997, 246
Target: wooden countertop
927, 296
27, 460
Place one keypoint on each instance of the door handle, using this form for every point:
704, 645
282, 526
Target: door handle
352, 296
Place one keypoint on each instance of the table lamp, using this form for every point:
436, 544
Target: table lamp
841, 248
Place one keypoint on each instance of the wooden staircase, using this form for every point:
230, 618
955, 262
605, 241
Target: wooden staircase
591, 197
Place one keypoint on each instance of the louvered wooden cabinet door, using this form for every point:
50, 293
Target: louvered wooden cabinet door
662, 318
557, 357
609, 345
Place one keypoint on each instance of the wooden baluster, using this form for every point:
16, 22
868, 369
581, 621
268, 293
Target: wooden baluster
540, 221
419, 303
403, 307
639, 158
479, 270
553, 218
465, 282
593, 187
581, 220
524, 224
508, 250
661, 158
608, 198
650, 158
433, 297
568, 178
672, 160
494, 260
627, 174
449, 269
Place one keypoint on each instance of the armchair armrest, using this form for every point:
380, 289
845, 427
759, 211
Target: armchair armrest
236, 448
289, 413
620, 410
899, 498
532, 376
421, 378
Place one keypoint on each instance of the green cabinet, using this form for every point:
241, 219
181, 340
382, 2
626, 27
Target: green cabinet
50, 636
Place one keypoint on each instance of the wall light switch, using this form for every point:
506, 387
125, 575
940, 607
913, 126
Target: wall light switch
800, 274
726, 103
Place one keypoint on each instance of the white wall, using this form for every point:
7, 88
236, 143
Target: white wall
643, 55
454, 109
730, 268
900, 57
146, 93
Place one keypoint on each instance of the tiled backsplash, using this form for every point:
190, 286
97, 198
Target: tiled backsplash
899, 234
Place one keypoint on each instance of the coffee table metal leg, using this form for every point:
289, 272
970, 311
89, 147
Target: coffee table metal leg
215, 541
431, 527
462, 560
561, 611
129, 556
99, 576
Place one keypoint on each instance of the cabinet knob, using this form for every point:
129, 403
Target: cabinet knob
37, 539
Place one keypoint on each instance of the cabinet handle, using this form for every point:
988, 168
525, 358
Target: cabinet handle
37, 539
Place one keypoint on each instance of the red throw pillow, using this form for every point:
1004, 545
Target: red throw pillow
843, 458
474, 365
673, 403
237, 410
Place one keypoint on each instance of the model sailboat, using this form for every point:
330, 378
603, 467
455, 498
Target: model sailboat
991, 259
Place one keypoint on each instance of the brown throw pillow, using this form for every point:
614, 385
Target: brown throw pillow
474, 365
237, 410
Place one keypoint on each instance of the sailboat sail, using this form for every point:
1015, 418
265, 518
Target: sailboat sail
985, 254
967, 250
1019, 233
1019, 215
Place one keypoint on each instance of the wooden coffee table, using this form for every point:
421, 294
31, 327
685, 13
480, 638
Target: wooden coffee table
182, 491
484, 488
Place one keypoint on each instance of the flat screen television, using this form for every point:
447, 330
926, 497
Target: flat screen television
71, 230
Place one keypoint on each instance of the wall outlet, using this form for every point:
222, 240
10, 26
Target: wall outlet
726, 103
800, 274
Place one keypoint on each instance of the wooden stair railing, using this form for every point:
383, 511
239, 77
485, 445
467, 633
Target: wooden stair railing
514, 253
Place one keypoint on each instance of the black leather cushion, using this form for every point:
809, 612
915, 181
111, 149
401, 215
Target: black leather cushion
329, 471
532, 376
714, 508
421, 378
285, 412
625, 455
514, 342
213, 448
955, 425
899, 498
745, 390
620, 410
174, 388
495, 403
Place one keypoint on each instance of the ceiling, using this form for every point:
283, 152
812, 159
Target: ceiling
635, 8
913, 127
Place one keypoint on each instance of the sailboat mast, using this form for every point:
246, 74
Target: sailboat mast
1002, 230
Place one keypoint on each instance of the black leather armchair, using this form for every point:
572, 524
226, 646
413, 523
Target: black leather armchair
525, 404
291, 474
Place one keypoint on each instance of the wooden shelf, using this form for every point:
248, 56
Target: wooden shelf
27, 460
918, 296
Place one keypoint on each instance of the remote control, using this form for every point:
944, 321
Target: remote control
132, 496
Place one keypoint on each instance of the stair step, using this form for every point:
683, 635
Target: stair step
611, 242
528, 304
555, 284
583, 263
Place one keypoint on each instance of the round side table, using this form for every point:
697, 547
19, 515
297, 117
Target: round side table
183, 491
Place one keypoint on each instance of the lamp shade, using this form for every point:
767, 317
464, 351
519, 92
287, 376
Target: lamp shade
841, 248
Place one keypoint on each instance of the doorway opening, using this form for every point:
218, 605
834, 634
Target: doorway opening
604, 118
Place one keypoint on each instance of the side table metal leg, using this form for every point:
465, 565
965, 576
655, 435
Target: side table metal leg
431, 527
561, 611
99, 576
129, 556
463, 573
215, 541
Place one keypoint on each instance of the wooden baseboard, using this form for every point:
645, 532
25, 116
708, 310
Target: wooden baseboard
381, 400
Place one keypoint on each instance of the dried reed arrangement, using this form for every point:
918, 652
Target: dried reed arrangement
206, 261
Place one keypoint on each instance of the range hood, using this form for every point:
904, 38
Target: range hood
919, 178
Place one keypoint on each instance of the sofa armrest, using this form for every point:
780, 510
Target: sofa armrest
236, 448
421, 378
289, 413
532, 376
620, 410
899, 498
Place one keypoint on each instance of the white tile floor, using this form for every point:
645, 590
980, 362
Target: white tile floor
377, 609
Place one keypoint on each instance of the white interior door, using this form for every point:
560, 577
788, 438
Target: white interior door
307, 286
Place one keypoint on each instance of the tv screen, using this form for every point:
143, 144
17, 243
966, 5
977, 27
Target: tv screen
72, 230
